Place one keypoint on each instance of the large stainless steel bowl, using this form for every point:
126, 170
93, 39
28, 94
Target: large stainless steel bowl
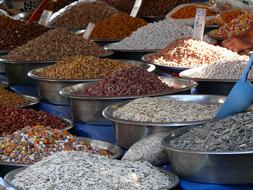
209, 167
49, 88
128, 132
89, 109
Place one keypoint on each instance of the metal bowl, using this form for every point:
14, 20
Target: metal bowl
209, 167
169, 69
32, 101
2, 65
49, 88
10, 176
89, 109
128, 132
116, 152
17, 70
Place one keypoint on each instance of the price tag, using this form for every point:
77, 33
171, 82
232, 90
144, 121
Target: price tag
45, 17
137, 6
88, 31
199, 24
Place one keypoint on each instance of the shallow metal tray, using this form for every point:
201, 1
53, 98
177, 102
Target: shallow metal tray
89, 109
32, 101
164, 68
116, 152
49, 88
128, 132
10, 176
209, 167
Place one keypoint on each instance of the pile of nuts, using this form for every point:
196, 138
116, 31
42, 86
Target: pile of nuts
235, 27
188, 53
13, 119
80, 13
150, 7
55, 45
31, 144
14, 33
82, 67
128, 82
8, 98
118, 26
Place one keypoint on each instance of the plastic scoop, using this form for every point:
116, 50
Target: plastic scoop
240, 97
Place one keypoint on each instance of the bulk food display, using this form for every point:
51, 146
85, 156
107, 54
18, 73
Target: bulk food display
129, 103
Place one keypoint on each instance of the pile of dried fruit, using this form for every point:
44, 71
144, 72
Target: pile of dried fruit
128, 82
8, 98
80, 13
118, 26
235, 27
188, 53
189, 11
225, 17
82, 67
32, 144
150, 7
14, 33
55, 45
13, 119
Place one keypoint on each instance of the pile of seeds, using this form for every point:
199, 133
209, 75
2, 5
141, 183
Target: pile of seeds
83, 67
80, 13
8, 98
55, 5
219, 70
118, 26
150, 7
78, 170
190, 53
13, 119
231, 134
128, 82
55, 45
14, 33
30, 145
235, 27
165, 110
154, 36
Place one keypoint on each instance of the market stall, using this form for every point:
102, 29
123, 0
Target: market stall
125, 95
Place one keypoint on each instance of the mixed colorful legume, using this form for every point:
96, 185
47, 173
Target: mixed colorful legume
32, 144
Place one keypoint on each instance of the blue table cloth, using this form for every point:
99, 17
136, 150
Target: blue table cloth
106, 133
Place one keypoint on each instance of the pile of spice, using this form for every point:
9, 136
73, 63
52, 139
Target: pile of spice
30, 145
118, 26
55, 5
55, 45
225, 17
230, 134
78, 170
8, 98
235, 27
128, 82
188, 53
150, 7
14, 33
83, 67
154, 36
220, 70
165, 110
80, 13
189, 11
13, 119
